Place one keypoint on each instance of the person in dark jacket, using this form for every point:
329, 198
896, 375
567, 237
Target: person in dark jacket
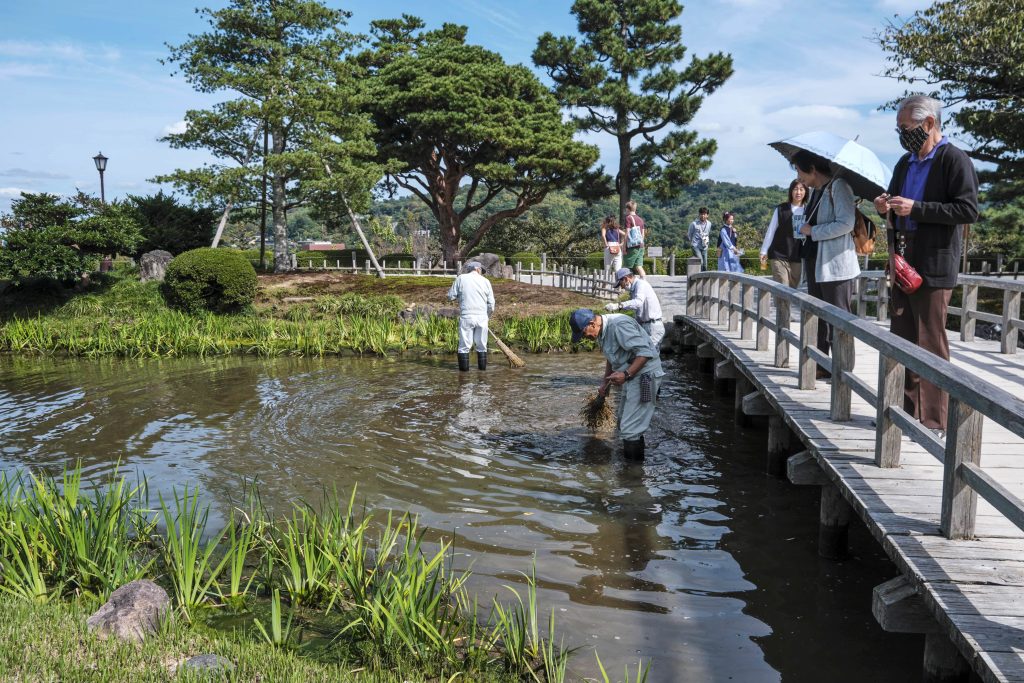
782, 240
932, 196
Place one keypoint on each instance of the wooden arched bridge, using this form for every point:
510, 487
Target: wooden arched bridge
948, 511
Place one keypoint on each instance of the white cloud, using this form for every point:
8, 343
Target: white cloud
903, 7
12, 192
176, 128
12, 70
30, 49
26, 173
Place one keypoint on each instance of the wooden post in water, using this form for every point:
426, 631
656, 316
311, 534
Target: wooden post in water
943, 663
833, 524
743, 387
780, 444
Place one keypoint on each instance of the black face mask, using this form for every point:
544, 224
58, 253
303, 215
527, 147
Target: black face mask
913, 139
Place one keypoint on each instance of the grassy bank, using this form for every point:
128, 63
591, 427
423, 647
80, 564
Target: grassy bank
301, 315
307, 594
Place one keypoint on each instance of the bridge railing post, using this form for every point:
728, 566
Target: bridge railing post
882, 307
963, 445
844, 356
808, 337
781, 324
1011, 313
888, 436
734, 300
716, 302
970, 305
763, 302
747, 324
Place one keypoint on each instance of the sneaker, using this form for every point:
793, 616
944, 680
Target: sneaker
940, 434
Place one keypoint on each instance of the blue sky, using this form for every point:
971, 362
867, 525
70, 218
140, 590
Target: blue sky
80, 76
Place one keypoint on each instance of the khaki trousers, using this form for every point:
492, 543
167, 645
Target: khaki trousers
921, 318
786, 272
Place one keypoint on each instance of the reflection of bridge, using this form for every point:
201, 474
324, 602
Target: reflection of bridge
947, 511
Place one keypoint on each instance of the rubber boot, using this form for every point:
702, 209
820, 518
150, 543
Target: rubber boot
633, 450
464, 362
481, 360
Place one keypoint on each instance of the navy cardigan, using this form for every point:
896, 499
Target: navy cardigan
950, 201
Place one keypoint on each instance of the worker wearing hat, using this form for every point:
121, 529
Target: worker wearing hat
631, 363
476, 303
643, 301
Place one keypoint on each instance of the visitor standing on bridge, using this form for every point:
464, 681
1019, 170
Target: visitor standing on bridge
611, 237
643, 301
782, 240
632, 364
636, 237
728, 248
832, 269
699, 235
933, 193
476, 303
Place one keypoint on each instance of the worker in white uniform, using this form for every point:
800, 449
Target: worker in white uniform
476, 303
643, 301
632, 364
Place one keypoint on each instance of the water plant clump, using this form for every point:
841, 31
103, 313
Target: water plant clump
334, 584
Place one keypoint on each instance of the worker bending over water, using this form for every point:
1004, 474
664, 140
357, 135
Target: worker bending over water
631, 363
644, 301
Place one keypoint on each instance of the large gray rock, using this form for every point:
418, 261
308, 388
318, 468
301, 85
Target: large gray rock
153, 265
133, 611
493, 265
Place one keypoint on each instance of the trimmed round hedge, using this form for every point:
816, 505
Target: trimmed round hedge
219, 280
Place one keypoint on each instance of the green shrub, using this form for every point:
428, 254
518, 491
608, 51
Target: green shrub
219, 280
528, 259
594, 261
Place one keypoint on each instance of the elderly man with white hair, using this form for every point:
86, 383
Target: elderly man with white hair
476, 303
932, 196
643, 301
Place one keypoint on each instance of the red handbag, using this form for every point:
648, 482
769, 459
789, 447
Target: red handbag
905, 275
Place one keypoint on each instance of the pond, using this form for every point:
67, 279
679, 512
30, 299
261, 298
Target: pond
695, 559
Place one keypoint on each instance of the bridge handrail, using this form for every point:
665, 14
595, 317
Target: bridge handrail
968, 314
730, 297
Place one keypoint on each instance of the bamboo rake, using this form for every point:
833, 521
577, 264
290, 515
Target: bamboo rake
514, 361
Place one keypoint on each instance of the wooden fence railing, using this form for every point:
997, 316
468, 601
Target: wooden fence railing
872, 286
743, 302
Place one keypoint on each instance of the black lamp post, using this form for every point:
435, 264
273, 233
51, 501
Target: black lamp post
101, 166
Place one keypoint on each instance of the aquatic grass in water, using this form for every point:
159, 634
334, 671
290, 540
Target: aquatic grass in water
384, 598
596, 412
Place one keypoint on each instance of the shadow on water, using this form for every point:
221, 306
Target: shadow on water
694, 559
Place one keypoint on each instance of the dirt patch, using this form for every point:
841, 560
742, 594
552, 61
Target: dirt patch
514, 299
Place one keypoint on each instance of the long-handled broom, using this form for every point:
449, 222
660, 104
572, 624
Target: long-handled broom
514, 361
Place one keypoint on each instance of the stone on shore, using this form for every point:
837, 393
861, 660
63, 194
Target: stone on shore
493, 265
153, 265
133, 611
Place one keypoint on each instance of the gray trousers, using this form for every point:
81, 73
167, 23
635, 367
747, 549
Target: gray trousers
634, 416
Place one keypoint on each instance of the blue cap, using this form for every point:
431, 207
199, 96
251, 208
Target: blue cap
579, 319
621, 273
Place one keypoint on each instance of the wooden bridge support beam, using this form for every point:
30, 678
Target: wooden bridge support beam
707, 356
780, 446
833, 524
898, 608
743, 387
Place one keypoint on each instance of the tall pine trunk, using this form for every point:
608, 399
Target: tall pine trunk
278, 203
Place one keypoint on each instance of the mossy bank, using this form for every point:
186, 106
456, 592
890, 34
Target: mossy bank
304, 314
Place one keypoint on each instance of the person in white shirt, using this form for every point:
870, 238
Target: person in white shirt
782, 241
476, 303
699, 235
644, 301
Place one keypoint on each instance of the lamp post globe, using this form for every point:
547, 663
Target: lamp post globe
101, 166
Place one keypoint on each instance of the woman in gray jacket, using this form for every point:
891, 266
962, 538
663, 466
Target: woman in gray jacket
831, 259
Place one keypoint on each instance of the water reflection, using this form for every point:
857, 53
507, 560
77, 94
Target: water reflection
693, 558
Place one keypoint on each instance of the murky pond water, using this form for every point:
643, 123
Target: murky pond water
695, 559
